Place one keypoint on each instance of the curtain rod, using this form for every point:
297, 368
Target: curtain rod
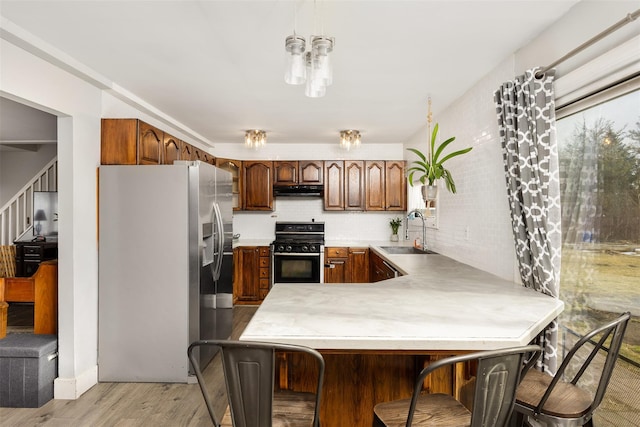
629, 18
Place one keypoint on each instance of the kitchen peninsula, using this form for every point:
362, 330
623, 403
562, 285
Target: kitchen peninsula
376, 337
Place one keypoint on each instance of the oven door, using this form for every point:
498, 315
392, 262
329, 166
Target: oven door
297, 268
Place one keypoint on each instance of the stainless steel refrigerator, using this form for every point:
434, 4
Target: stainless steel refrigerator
165, 270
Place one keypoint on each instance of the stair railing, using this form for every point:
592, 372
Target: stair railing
15, 215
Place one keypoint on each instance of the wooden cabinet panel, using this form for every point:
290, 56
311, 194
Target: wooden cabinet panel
336, 252
171, 148
119, 142
358, 265
379, 269
375, 184
334, 185
258, 185
265, 271
285, 173
395, 186
150, 141
208, 158
346, 265
311, 172
246, 263
186, 151
235, 167
336, 265
354, 185
197, 154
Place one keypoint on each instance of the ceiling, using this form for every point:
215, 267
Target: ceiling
217, 66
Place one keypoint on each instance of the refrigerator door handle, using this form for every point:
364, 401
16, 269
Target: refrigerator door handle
219, 243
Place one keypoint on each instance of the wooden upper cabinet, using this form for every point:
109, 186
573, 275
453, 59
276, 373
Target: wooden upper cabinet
354, 185
285, 173
119, 142
375, 184
258, 185
334, 185
186, 151
197, 154
235, 167
170, 149
311, 172
150, 144
208, 158
396, 186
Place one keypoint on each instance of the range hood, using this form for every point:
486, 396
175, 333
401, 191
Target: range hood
298, 190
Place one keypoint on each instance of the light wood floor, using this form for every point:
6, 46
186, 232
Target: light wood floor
135, 404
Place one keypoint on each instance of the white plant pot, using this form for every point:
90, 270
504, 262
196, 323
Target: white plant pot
394, 238
429, 192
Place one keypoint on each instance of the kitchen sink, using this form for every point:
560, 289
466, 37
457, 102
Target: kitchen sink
405, 250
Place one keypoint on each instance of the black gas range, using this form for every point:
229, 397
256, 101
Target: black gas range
297, 253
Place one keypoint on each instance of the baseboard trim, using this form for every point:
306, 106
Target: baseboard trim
73, 388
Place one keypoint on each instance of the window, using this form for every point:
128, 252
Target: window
599, 156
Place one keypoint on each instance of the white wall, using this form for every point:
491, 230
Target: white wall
309, 150
474, 224
18, 167
339, 226
26, 78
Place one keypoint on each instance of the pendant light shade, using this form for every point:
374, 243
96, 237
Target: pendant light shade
314, 87
313, 66
296, 70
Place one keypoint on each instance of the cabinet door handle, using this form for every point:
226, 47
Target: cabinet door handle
359, 253
336, 262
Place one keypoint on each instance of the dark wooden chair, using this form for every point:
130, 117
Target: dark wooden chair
249, 370
498, 375
558, 400
41, 289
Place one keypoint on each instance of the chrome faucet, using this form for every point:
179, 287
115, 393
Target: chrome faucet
416, 212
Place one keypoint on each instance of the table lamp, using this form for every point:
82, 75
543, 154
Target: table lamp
39, 216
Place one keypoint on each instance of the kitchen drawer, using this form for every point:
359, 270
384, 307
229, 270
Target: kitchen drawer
31, 250
263, 293
336, 252
264, 262
264, 284
264, 251
264, 273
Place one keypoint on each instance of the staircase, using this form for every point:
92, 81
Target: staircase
15, 215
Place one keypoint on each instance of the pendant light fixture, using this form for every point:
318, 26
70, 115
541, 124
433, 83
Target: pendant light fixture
255, 138
312, 67
350, 139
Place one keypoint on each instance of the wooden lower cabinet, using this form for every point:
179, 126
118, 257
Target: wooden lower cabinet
358, 265
336, 261
355, 381
251, 274
346, 265
380, 269
265, 271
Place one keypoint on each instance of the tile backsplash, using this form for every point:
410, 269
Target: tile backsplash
340, 226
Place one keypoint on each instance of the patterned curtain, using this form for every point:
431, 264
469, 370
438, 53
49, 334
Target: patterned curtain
526, 120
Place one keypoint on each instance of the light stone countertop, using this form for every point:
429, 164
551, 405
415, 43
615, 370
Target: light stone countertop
440, 304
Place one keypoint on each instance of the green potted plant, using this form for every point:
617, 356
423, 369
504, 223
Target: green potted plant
395, 225
430, 167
